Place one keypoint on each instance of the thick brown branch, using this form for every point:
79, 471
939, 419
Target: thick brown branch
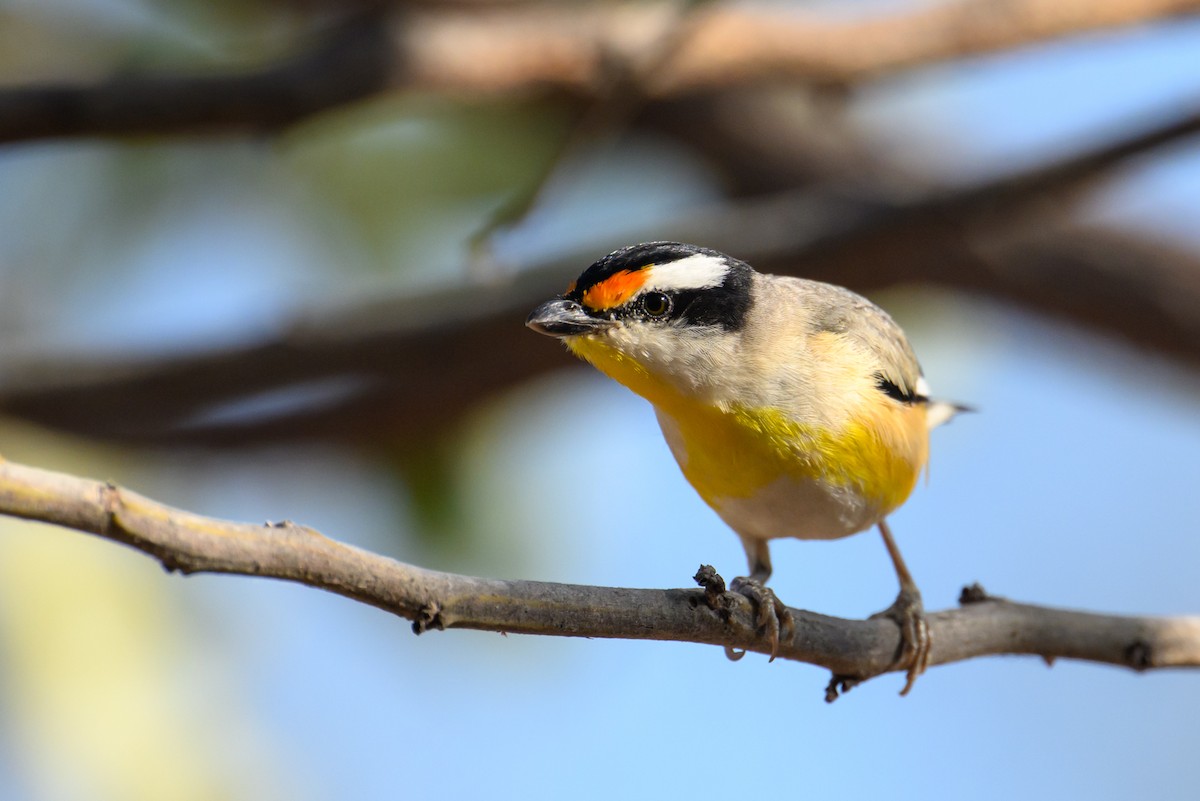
351, 63
190, 543
505, 49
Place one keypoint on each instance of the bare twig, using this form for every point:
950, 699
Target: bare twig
506, 48
851, 649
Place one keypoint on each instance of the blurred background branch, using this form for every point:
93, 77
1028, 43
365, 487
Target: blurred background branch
347, 62
509, 48
800, 201
415, 364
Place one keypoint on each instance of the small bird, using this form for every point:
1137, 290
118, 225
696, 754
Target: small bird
794, 408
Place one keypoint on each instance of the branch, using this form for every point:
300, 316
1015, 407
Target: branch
851, 649
502, 50
505, 49
351, 62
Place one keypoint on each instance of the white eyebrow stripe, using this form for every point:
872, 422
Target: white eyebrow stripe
922, 387
698, 271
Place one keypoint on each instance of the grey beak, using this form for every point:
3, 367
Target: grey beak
563, 318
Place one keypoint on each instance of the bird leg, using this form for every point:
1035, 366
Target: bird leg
908, 612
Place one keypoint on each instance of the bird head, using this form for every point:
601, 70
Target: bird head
661, 309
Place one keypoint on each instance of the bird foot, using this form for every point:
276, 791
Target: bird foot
771, 616
908, 612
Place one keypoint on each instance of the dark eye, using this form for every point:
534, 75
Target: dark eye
656, 304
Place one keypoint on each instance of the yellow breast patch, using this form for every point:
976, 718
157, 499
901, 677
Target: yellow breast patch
734, 451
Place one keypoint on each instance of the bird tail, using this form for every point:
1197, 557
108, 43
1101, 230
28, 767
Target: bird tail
939, 412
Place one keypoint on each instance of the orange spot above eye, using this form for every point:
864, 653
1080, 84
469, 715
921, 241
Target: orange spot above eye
614, 290
570, 288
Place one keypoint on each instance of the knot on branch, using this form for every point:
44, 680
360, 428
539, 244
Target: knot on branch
974, 594
1139, 656
110, 499
840, 683
429, 617
714, 588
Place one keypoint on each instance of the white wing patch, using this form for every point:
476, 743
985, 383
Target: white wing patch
698, 271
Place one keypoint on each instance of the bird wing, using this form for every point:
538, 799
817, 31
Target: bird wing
873, 330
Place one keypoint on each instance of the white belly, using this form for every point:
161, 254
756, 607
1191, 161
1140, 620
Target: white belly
807, 510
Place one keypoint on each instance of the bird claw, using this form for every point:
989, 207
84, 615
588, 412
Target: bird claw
771, 616
908, 612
